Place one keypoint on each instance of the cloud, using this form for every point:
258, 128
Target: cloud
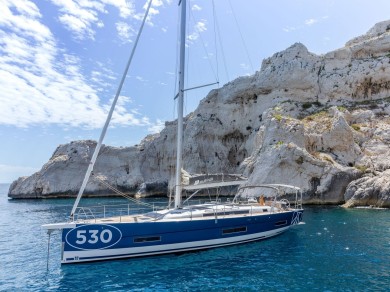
154, 10
140, 78
24, 22
244, 66
199, 27
43, 84
79, 17
310, 21
307, 22
156, 127
82, 17
126, 8
122, 116
196, 7
78, 26
290, 28
125, 31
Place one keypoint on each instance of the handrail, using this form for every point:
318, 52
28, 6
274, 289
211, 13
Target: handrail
277, 188
85, 212
106, 211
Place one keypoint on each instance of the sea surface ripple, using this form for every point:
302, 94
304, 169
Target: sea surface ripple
336, 250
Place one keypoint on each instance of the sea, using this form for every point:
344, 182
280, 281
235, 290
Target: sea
336, 250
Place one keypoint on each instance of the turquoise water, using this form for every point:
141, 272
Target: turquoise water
337, 250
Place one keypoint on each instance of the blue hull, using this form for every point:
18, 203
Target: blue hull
93, 242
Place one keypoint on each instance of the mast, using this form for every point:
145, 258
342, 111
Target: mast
103, 133
178, 184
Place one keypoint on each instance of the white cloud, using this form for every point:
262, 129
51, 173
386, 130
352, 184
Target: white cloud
289, 28
24, 22
156, 127
140, 78
196, 7
42, 84
199, 27
156, 3
122, 116
307, 22
126, 8
310, 21
80, 28
154, 10
81, 17
125, 31
244, 66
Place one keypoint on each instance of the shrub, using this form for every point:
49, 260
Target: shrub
278, 117
356, 127
328, 158
362, 168
342, 109
279, 143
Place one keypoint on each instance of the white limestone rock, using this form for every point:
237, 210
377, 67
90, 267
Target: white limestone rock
372, 190
286, 157
320, 122
63, 174
290, 74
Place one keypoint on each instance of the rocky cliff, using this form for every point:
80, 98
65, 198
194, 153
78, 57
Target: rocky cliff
320, 122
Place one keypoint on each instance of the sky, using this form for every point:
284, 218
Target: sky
61, 62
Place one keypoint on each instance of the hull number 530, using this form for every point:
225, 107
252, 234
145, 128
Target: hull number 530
94, 236
105, 236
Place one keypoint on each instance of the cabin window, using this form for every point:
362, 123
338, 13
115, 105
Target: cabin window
281, 223
208, 214
236, 212
147, 239
222, 213
234, 230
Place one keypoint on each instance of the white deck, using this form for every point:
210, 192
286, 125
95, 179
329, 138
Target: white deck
195, 212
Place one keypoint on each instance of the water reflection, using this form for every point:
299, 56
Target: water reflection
352, 252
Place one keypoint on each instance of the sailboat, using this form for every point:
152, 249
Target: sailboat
255, 213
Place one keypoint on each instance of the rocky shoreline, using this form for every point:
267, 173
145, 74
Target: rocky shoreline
320, 122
